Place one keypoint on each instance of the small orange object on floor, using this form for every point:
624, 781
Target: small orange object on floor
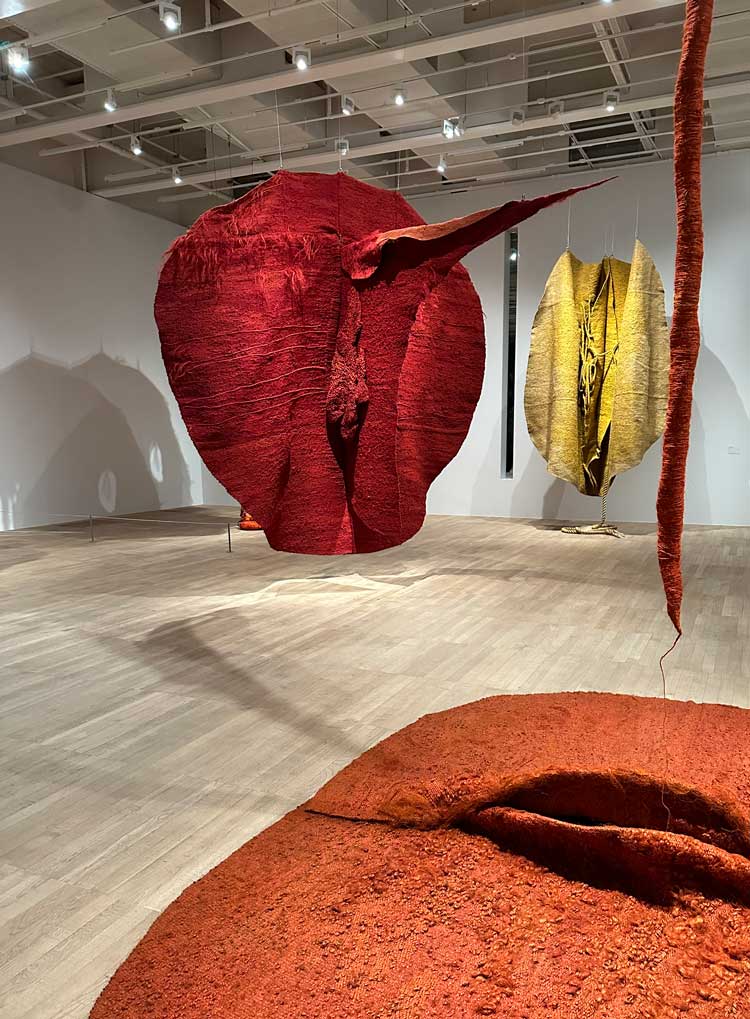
247, 523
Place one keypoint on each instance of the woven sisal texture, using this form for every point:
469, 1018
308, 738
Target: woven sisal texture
506, 858
685, 334
327, 353
596, 384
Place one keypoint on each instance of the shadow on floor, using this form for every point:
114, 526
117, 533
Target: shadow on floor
185, 657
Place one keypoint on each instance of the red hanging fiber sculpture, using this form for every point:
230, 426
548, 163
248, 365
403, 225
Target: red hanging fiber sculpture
327, 353
685, 335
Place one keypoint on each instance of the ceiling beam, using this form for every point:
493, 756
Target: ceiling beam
424, 140
393, 57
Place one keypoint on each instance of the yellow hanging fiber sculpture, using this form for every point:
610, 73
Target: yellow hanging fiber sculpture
596, 385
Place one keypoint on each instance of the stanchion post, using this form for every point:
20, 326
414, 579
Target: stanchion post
229, 537
91, 526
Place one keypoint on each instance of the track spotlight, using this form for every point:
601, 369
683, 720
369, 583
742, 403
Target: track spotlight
342, 146
452, 128
514, 256
135, 145
399, 95
347, 106
610, 101
18, 59
517, 118
301, 57
170, 15
442, 165
176, 178
110, 103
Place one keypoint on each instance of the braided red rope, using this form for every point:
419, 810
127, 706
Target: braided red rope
685, 334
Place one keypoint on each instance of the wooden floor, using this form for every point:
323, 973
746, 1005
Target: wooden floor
161, 701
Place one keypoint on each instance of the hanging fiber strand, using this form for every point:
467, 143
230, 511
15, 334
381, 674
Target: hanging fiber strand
685, 333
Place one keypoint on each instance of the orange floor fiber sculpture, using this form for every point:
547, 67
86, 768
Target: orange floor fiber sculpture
516, 857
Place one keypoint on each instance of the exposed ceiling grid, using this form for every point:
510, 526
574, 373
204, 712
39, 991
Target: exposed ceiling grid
538, 87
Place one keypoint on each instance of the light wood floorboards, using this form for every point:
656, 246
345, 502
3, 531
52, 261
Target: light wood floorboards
161, 701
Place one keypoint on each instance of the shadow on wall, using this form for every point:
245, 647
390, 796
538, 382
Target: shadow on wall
93, 438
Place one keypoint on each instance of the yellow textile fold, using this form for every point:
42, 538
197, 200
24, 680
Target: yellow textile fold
596, 384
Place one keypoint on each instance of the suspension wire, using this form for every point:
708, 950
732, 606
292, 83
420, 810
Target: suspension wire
278, 129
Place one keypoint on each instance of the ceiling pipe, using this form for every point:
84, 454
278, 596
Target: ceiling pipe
458, 168
557, 170
387, 58
427, 100
426, 140
509, 176
489, 154
354, 33
185, 126
91, 26
257, 154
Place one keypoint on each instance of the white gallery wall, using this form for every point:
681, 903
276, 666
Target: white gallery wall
718, 482
88, 424
87, 421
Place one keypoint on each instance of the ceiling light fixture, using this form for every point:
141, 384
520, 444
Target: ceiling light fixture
170, 15
610, 101
135, 145
18, 59
347, 106
452, 128
342, 146
514, 256
399, 95
176, 178
442, 166
110, 103
517, 117
301, 57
